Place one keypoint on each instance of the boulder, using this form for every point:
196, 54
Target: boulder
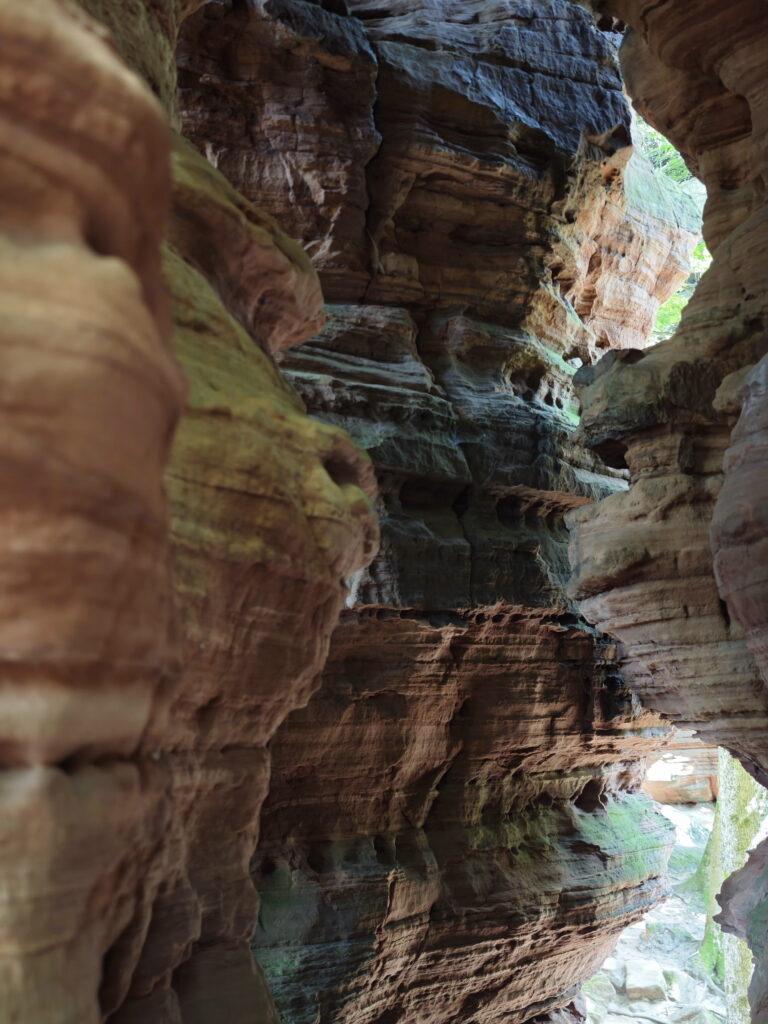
645, 981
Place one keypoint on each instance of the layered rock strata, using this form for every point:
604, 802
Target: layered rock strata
675, 567
442, 837
90, 398
256, 604
469, 856
469, 208
137, 710
445, 154
643, 559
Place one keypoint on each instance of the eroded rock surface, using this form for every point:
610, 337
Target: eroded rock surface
675, 567
139, 694
90, 398
270, 515
441, 839
472, 843
643, 559
453, 829
685, 773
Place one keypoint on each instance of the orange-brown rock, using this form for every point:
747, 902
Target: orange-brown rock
471, 233
643, 558
472, 842
256, 606
453, 830
675, 567
137, 712
434, 155
306, 78
90, 398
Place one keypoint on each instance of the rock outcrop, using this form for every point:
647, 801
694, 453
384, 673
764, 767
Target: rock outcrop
441, 839
90, 397
137, 714
685, 773
472, 842
675, 567
451, 826
643, 558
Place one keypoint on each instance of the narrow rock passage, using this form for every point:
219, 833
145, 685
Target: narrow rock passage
305, 715
677, 964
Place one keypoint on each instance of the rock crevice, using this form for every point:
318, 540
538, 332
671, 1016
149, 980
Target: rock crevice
674, 566
424, 808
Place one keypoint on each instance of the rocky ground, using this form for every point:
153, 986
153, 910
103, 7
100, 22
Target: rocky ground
655, 973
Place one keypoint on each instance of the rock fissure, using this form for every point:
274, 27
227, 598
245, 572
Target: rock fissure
337, 744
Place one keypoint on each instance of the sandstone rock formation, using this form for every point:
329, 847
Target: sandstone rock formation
452, 828
467, 858
136, 720
685, 773
675, 567
91, 394
256, 605
470, 737
643, 558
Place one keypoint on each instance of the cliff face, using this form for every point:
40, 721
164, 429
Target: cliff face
675, 567
685, 773
643, 559
452, 829
136, 718
90, 397
255, 606
478, 846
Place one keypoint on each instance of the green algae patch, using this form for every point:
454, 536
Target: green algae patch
631, 833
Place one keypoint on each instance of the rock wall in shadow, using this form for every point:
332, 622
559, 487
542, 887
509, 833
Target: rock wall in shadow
437, 798
453, 830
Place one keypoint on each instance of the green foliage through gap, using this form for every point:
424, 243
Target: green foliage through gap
663, 155
660, 151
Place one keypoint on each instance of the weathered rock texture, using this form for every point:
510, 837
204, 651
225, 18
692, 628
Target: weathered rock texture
643, 558
453, 831
676, 566
135, 720
90, 397
469, 857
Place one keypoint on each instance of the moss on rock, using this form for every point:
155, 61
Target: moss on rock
741, 809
